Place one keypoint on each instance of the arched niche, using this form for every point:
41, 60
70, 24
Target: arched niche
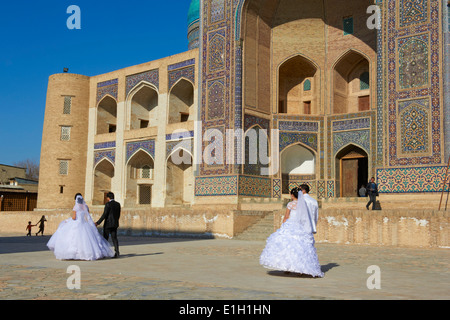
140, 179
143, 111
297, 161
351, 84
179, 179
103, 176
107, 115
296, 90
181, 102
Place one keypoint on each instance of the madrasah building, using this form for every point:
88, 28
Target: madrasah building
341, 93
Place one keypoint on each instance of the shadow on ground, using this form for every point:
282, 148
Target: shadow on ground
324, 268
21, 244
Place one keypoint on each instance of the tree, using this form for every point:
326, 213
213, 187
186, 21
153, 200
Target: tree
32, 168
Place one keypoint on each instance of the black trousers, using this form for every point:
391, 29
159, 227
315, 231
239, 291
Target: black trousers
373, 200
113, 233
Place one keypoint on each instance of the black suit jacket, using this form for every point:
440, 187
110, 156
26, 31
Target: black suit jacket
111, 215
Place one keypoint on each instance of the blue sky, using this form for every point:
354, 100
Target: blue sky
35, 43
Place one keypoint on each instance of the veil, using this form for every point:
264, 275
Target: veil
81, 206
303, 215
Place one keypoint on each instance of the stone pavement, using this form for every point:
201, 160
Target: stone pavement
198, 269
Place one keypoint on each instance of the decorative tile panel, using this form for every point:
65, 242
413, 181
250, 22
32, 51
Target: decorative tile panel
151, 77
413, 12
216, 186
255, 186
187, 73
133, 147
105, 145
411, 180
110, 87
289, 138
108, 154
413, 62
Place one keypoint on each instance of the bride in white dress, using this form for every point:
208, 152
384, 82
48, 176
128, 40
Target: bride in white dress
291, 248
77, 238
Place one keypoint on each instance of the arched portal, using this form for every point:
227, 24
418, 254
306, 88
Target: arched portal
140, 179
296, 93
181, 101
103, 175
144, 108
179, 180
107, 115
351, 84
296, 162
352, 171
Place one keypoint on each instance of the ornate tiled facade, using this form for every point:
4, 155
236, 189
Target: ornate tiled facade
393, 112
402, 130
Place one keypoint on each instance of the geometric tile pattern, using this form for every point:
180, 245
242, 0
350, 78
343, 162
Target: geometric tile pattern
183, 144
409, 46
414, 124
255, 186
288, 138
413, 61
321, 189
276, 188
413, 11
108, 154
105, 145
151, 77
216, 52
188, 73
110, 87
411, 180
360, 138
133, 147
216, 186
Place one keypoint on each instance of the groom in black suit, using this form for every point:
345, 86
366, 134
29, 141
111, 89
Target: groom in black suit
111, 216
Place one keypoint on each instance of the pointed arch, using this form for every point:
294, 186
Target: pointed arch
106, 115
350, 95
104, 173
179, 180
352, 169
294, 73
142, 106
181, 101
139, 179
297, 165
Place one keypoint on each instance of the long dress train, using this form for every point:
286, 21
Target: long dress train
79, 239
291, 248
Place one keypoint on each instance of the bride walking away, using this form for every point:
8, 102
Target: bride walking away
291, 248
77, 238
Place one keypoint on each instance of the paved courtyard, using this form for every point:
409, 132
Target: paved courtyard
198, 269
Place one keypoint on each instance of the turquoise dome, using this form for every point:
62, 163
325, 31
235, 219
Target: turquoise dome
194, 24
194, 12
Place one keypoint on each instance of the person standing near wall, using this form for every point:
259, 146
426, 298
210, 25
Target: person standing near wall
372, 190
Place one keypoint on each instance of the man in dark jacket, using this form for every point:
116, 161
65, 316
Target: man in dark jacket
372, 190
111, 216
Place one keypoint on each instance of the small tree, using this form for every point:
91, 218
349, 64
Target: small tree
32, 168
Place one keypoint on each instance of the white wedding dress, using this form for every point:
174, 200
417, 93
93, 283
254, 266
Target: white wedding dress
79, 239
291, 248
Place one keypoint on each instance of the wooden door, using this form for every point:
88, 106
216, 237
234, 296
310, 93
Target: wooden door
349, 177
